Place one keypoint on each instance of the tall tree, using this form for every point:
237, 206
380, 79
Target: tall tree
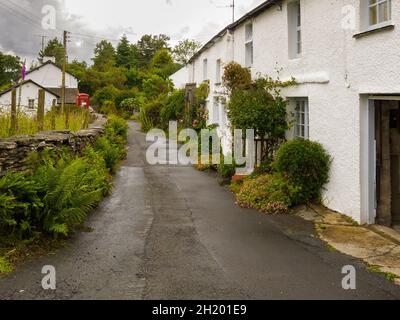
148, 45
10, 69
185, 50
104, 56
125, 54
54, 48
163, 63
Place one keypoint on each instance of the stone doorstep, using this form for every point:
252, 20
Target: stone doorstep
375, 245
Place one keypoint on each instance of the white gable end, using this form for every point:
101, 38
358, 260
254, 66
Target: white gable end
49, 76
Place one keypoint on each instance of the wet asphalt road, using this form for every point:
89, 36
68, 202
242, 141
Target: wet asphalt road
175, 233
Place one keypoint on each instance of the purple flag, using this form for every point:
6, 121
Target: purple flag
23, 72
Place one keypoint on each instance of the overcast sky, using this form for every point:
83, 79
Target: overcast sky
90, 20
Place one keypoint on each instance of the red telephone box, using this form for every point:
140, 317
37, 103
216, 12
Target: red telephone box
82, 100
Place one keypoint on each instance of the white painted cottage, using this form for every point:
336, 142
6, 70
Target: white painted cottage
47, 76
345, 55
29, 98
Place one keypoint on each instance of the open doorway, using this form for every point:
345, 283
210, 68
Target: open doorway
387, 135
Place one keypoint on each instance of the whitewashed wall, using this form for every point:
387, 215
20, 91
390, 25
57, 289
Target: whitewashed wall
29, 91
49, 76
335, 72
180, 78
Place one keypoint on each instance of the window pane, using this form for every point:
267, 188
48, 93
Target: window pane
249, 32
383, 12
373, 15
372, 2
249, 54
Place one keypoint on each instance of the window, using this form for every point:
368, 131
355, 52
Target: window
205, 69
249, 45
216, 110
379, 11
302, 119
218, 72
31, 104
295, 29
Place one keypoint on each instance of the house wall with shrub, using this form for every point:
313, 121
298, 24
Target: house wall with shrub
337, 70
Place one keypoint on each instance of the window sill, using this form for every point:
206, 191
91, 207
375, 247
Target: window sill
373, 30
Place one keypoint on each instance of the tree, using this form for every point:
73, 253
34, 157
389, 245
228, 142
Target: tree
10, 69
185, 50
104, 56
125, 53
147, 46
54, 48
77, 68
257, 105
163, 63
156, 86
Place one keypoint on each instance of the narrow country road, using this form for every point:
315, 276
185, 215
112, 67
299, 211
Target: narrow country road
175, 233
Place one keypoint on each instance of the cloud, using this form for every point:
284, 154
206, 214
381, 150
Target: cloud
22, 30
90, 21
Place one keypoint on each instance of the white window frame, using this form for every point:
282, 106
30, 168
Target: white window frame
295, 29
218, 78
299, 32
31, 104
216, 108
205, 69
377, 5
249, 44
302, 116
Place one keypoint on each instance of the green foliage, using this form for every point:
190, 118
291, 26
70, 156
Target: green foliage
70, 191
5, 266
20, 204
173, 109
147, 46
28, 125
152, 111
236, 77
163, 65
257, 109
125, 54
271, 194
104, 56
117, 127
54, 48
226, 170
108, 108
155, 86
185, 50
60, 189
257, 105
10, 70
307, 165
108, 93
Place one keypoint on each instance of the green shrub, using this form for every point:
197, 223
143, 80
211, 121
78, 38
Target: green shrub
110, 152
150, 114
108, 108
70, 191
20, 205
147, 125
173, 109
307, 165
271, 194
117, 126
226, 170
